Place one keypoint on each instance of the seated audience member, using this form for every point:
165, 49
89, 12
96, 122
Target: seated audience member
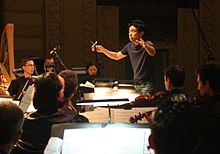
174, 128
48, 99
49, 64
18, 86
208, 79
71, 85
12, 118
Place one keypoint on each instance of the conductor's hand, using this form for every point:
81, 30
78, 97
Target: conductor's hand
99, 48
141, 42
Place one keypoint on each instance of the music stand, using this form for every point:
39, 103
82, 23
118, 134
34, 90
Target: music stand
101, 137
105, 103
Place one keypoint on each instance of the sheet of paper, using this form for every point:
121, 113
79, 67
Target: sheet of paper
106, 141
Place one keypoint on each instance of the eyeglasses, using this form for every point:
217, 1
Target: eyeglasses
30, 65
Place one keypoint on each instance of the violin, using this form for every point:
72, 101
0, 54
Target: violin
149, 100
147, 115
151, 97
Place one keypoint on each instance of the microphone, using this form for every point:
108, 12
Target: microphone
17, 70
55, 49
93, 45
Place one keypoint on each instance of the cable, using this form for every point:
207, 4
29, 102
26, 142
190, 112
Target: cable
205, 41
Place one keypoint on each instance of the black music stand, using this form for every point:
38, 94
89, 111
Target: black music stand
105, 103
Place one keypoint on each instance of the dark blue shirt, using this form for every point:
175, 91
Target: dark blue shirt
141, 61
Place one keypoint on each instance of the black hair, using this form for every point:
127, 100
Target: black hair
210, 72
139, 24
90, 64
24, 61
174, 127
176, 74
47, 93
12, 118
71, 82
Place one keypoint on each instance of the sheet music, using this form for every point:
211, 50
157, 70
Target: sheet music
27, 100
106, 141
100, 115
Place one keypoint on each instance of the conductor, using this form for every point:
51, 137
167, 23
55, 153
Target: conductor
140, 53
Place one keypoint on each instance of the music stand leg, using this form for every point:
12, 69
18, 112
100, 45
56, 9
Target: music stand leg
109, 114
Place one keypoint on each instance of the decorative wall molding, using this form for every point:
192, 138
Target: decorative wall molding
88, 28
188, 46
54, 24
207, 20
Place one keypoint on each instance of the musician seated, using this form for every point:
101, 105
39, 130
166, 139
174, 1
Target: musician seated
174, 78
91, 73
90, 76
18, 86
175, 126
49, 64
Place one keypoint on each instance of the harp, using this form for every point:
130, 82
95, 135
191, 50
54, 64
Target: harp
7, 52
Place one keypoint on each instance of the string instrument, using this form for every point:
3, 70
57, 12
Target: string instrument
151, 97
140, 116
146, 101
7, 52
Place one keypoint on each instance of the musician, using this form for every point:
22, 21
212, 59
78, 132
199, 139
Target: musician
140, 53
174, 128
208, 75
48, 99
174, 77
70, 90
12, 118
91, 73
18, 86
49, 64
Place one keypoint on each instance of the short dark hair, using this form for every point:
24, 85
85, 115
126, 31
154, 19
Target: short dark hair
210, 72
174, 129
139, 24
24, 61
176, 74
90, 64
12, 118
71, 82
46, 93
49, 57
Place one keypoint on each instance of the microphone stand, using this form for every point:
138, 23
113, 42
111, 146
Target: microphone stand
61, 62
